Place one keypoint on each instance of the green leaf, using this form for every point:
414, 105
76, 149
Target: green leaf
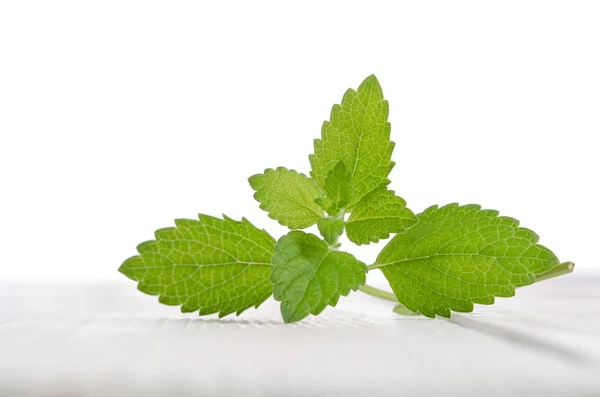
308, 276
288, 196
328, 205
459, 255
338, 185
377, 215
331, 229
402, 310
212, 265
359, 135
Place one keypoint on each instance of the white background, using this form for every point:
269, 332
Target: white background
117, 117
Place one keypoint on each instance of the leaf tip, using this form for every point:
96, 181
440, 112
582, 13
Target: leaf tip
371, 83
255, 180
145, 246
372, 79
444, 313
127, 267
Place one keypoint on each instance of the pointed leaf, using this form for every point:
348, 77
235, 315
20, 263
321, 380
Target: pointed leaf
331, 228
402, 310
459, 255
377, 215
288, 196
308, 276
359, 135
328, 205
212, 265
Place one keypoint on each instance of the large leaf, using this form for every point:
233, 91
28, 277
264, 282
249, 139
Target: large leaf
459, 255
288, 196
308, 276
359, 135
211, 265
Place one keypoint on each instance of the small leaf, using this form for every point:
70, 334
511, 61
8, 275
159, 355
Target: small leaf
288, 196
308, 276
359, 135
338, 185
331, 229
212, 265
402, 310
459, 255
328, 205
377, 215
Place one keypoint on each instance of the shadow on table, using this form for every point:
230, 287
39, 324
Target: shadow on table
521, 339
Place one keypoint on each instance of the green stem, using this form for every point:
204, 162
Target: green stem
335, 246
378, 293
558, 270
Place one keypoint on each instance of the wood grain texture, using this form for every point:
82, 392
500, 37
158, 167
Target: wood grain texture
73, 338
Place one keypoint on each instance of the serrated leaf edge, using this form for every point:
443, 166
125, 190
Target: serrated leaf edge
253, 180
201, 218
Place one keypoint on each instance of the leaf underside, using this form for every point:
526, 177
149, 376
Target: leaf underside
308, 276
211, 265
288, 196
456, 256
358, 134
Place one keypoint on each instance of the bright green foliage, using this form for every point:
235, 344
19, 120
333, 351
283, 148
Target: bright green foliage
445, 259
359, 135
308, 276
331, 228
377, 215
456, 256
288, 196
338, 185
212, 265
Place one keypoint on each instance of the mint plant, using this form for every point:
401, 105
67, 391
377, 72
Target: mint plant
441, 260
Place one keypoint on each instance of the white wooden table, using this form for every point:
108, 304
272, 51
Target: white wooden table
74, 338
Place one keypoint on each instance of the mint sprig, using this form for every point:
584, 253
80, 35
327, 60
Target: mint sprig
442, 260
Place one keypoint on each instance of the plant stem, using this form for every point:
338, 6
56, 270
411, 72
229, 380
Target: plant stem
378, 293
558, 270
335, 246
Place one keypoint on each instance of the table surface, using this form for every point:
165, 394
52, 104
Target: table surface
84, 338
